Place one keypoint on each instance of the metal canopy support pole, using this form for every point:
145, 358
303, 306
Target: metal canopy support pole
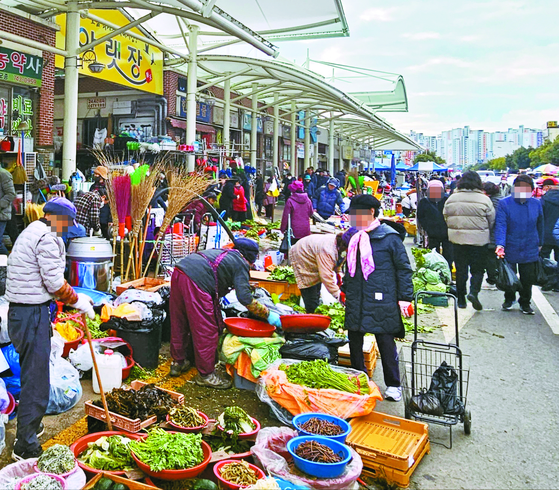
315, 154
331, 146
293, 134
276, 158
71, 79
192, 83
227, 115
253, 126
307, 140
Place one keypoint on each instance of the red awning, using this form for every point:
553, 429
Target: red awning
204, 128
177, 123
286, 141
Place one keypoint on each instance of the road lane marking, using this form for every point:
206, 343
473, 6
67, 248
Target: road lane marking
446, 316
547, 311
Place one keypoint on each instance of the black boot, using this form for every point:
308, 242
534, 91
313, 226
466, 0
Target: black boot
472, 298
461, 301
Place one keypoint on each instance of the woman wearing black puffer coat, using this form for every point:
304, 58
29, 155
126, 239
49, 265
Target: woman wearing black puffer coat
378, 288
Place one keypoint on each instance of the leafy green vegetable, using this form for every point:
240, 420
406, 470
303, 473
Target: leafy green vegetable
57, 459
236, 421
318, 374
418, 256
336, 312
138, 372
109, 453
253, 234
163, 450
283, 273
222, 441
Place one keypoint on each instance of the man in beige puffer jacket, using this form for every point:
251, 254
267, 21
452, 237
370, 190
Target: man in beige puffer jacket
35, 278
470, 216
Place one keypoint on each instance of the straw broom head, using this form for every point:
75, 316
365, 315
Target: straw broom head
183, 188
142, 194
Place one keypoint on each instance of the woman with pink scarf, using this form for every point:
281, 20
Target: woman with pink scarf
378, 288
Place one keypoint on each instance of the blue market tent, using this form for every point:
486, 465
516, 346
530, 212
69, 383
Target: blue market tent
427, 167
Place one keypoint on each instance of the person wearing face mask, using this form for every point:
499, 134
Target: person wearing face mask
378, 288
430, 218
470, 215
519, 234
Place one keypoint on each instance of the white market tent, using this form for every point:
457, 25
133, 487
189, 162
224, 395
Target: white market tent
192, 33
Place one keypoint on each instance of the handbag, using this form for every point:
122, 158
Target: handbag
273, 190
5, 145
285, 244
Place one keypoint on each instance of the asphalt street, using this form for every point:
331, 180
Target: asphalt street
513, 396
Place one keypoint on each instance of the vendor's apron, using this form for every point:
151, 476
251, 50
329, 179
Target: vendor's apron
215, 297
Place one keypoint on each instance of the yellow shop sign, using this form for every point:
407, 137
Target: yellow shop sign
128, 61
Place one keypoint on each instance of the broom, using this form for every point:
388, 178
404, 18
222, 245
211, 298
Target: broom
121, 187
183, 187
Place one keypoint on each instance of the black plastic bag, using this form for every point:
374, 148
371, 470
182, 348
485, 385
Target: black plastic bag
426, 402
551, 273
308, 347
444, 385
540, 276
115, 323
507, 280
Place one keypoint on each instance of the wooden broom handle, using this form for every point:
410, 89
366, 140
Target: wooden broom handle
105, 406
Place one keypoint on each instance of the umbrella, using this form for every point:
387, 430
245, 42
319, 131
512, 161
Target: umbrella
427, 167
401, 166
548, 168
541, 180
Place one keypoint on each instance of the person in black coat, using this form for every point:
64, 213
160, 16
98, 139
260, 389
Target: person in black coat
227, 196
378, 288
259, 193
430, 218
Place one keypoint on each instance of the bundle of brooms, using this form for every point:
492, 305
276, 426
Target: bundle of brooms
184, 186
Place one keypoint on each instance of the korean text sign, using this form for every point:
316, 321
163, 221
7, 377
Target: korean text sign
20, 67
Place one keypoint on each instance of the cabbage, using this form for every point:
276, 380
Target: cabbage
440, 287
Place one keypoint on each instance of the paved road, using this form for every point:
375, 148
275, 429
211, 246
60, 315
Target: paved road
513, 396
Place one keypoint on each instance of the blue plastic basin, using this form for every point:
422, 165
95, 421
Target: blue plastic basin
302, 418
320, 470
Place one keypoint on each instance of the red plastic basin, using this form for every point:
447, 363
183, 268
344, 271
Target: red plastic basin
11, 405
172, 475
190, 429
247, 327
233, 486
81, 445
73, 344
305, 323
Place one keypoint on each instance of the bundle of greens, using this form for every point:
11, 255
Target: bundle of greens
230, 443
418, 256
319, 375
283, 273
57, 459
110, 453
163, 450
236, 421
336, 312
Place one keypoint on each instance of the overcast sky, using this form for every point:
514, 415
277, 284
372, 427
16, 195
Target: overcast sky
490, 64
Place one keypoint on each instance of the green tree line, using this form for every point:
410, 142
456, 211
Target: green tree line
526, 158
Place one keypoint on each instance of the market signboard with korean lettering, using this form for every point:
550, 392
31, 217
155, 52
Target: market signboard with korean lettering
203, 110
128, 61
18, 67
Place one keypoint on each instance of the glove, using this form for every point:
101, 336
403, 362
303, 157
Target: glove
274, 319
500, 251
406, 308
84, 305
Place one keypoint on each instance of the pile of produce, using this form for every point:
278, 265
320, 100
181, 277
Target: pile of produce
239, 473
283, 273
319, 375
184, 416
427, 280
108, 484
317, 453
139, 404
229, 443
321, 427
67, 331
431, 271
163, 450
74, 317
186, 484
110, 453
336, 312
236, 421
42, 482
57, 459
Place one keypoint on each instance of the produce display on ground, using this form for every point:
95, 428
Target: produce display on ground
57, 459
67, 331
108, 484
110, 453
162, 450
317, 453
336, 311
318, 374
139, 404
74, 318
236, 421
321, 427
185, 416
283, 273
239, 473
42, 482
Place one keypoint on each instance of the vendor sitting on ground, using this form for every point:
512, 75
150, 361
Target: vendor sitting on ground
378, 287
199, 280
315, 260
35, 278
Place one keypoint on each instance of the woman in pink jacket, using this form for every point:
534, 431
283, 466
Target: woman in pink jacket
299, 208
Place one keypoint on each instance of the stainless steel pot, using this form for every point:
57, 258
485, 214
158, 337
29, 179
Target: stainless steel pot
90, 261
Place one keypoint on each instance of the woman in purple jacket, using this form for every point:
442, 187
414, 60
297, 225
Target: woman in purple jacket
299, 207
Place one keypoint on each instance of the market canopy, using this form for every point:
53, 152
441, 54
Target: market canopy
427, 167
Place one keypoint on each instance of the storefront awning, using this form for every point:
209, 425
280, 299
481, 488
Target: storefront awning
286, 141
177, 123
204, 128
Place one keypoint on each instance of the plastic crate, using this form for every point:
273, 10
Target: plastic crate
391, 475
125, 423
370, 354
145, 284
387, 440
435, 301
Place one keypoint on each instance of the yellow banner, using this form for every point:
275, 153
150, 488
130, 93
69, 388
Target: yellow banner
128, 61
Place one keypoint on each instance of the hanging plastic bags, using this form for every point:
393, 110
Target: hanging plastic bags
65, 386
436, 262
507, 280
13, 382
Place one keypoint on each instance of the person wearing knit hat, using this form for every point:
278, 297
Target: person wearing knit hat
197, 283
297, 213
430, 218
378, 288
35, 279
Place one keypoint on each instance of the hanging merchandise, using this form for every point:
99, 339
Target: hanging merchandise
19, 175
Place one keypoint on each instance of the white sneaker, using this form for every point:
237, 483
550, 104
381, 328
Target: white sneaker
393, 393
